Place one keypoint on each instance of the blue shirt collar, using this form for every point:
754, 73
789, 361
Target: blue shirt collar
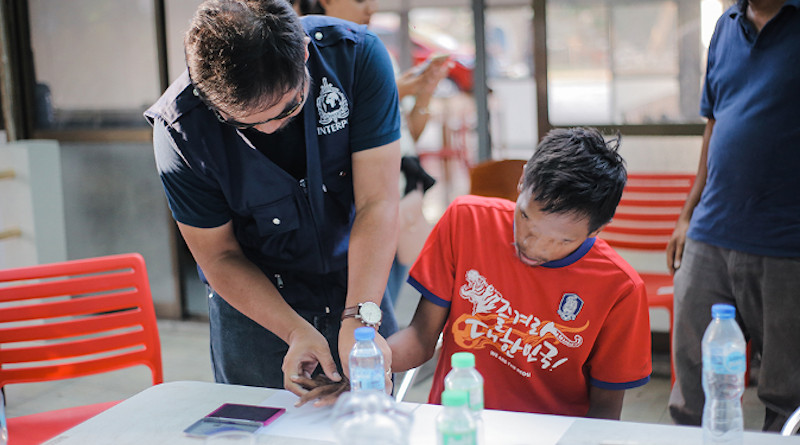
573, 257
739, 8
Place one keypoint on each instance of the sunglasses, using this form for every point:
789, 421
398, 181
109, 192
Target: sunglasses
246, 126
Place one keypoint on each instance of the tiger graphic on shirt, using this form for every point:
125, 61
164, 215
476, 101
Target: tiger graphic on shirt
494, 323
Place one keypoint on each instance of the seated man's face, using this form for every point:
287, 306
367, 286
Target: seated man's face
541, 237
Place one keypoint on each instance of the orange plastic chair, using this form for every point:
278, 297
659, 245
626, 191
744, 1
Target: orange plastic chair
496, 178
74, 319
645, 218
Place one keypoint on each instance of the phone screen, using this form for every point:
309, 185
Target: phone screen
233, 416
245, 412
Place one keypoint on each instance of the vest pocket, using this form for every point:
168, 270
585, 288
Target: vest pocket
276, 217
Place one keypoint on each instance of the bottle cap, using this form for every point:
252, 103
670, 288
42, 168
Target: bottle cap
455, 397
723, 310
364, 333
462, 360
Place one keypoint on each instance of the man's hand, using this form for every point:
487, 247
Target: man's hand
322, 389
347, 340
676, 244
307, 349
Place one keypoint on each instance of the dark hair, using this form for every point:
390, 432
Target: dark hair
308, 6
576, 171
243, 54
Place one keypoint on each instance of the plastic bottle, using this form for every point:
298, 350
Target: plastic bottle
3, 428
465, 377
370, 418
724, 366
366, 362
455, 424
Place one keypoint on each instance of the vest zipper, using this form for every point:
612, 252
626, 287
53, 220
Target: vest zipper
279, 280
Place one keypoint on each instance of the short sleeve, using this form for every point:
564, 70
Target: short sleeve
622, 357
375, 119
193, 200
707, 99
433, 273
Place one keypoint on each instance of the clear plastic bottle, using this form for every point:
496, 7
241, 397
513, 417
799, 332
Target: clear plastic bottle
465, 377
366, 362
455, 424
724, 366
3, 428
370, 418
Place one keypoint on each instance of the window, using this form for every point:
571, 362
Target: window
94, 63
626, 62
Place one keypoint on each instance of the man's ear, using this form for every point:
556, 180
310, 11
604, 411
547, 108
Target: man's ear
307, 40
597, 232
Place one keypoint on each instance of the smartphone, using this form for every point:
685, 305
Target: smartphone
234, 416
419, 69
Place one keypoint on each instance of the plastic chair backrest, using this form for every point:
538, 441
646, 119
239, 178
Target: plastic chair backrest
792, 424
648, 211
496, 178
77, 318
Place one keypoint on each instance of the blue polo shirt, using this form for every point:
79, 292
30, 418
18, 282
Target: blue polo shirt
751, 200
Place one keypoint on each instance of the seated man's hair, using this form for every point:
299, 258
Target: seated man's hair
577, 171
245, 54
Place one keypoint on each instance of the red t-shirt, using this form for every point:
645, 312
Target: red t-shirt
541, 335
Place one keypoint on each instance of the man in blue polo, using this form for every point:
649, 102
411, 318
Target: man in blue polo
278, 151
743, 214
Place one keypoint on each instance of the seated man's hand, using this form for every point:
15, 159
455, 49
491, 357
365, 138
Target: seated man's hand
322, 389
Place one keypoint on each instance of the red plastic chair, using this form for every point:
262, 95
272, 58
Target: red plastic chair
74, 319
646, 216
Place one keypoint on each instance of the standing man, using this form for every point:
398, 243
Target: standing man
738, 238
278, 151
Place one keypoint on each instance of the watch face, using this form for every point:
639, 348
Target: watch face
370, 313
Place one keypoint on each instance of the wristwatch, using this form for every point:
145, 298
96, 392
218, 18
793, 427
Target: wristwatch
369, 313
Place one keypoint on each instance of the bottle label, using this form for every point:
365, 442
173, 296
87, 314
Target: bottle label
460, 438
733, 363
367, 378
476, 398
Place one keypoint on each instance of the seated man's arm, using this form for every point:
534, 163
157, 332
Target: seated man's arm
605, 403
245, 287
416, 344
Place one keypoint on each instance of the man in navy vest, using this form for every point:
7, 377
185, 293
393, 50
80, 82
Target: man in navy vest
278, 151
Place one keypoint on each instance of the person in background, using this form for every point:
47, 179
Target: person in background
415, 87
738, 238
557, 320
278, 152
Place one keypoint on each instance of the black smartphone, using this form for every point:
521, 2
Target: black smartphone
234, 416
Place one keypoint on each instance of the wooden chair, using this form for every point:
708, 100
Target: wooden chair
496, 178
646, 216
74, 319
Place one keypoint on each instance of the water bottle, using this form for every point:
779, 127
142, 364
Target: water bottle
724, 366
3, 428
370, 418
465, 377
455, 424
366, 362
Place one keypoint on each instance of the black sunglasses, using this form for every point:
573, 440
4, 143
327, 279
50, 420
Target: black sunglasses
246, 126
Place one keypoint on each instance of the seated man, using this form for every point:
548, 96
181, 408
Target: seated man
558, 322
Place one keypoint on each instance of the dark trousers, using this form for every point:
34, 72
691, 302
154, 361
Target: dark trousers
764, 291
244, 353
